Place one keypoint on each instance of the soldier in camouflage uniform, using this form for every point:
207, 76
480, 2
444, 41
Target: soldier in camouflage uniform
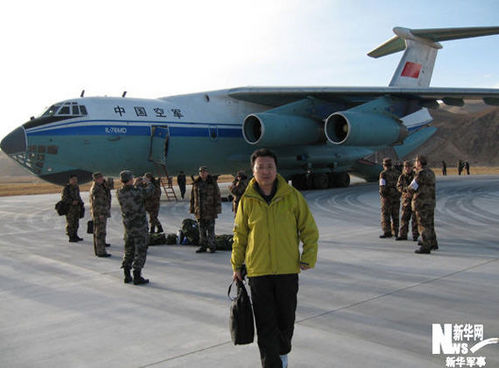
407, 214
108, 186
237, 189
132, 197
206, 204
71, 198
390, 200
152, 205
100, 211
423, 204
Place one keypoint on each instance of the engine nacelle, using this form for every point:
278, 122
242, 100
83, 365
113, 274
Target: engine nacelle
360, 128
272, 130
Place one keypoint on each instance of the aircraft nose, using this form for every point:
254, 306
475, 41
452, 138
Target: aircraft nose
15, 142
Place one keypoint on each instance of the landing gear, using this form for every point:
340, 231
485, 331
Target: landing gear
320, 181
342, 180
301, 181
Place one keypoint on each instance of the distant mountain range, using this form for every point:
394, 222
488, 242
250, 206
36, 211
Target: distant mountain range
468, 133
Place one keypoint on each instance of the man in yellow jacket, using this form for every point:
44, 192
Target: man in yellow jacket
271, 220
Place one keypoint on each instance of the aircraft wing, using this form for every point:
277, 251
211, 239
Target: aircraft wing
277, 96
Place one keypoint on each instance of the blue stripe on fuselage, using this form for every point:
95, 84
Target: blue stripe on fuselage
110, 121
123, 130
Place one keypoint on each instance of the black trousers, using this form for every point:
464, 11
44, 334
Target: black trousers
274, 305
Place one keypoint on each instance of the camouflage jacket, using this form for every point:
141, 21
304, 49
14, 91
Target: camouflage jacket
132, 202
403, 186
206, 203
100, 200
108, 185
237, 189
388, 184
423, 187
152, 202
71, 193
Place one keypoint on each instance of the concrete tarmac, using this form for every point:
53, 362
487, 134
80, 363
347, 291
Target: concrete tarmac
368, 303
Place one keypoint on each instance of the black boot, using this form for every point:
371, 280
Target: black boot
138, 279
385, 235
128, 276
72, 239
152, 229
78, 238
422, 251
159, 228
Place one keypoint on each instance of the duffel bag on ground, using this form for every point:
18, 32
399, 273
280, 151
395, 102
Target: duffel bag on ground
157, 239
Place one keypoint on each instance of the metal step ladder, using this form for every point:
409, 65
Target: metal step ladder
166, 182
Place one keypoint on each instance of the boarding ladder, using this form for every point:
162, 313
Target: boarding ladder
166, 182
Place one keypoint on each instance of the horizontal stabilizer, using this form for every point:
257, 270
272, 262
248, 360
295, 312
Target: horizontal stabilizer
447, 34
393, 45
430, 35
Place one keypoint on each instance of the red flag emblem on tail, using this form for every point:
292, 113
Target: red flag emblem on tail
411, 70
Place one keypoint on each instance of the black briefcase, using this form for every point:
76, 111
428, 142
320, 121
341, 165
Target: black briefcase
90, 227
241, 324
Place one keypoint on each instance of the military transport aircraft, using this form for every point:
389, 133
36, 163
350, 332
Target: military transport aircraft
319, 134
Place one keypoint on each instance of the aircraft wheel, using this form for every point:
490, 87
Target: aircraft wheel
342, 180
331, 180
320, 181
299, 181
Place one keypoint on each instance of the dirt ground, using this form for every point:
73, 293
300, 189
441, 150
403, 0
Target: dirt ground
27, 185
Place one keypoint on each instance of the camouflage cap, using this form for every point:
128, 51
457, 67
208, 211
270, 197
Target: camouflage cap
203, 168
241, 173
96, 175
387, 161
148, 175
126, 176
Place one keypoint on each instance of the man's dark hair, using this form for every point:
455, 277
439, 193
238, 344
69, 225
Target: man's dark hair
263, 152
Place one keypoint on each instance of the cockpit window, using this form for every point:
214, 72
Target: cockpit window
64, 111
58, 112
73, 109
51, 110
68, 108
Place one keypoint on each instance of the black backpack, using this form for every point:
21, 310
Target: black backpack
190, 230
241, 324
61, 208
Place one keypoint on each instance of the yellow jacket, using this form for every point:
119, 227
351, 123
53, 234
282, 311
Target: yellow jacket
267, 236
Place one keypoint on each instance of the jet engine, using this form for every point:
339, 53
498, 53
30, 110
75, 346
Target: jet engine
272, 129
364, 128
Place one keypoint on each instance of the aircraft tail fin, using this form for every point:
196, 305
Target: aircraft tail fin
421, 47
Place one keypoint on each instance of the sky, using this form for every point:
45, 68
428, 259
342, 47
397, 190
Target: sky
51, 49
